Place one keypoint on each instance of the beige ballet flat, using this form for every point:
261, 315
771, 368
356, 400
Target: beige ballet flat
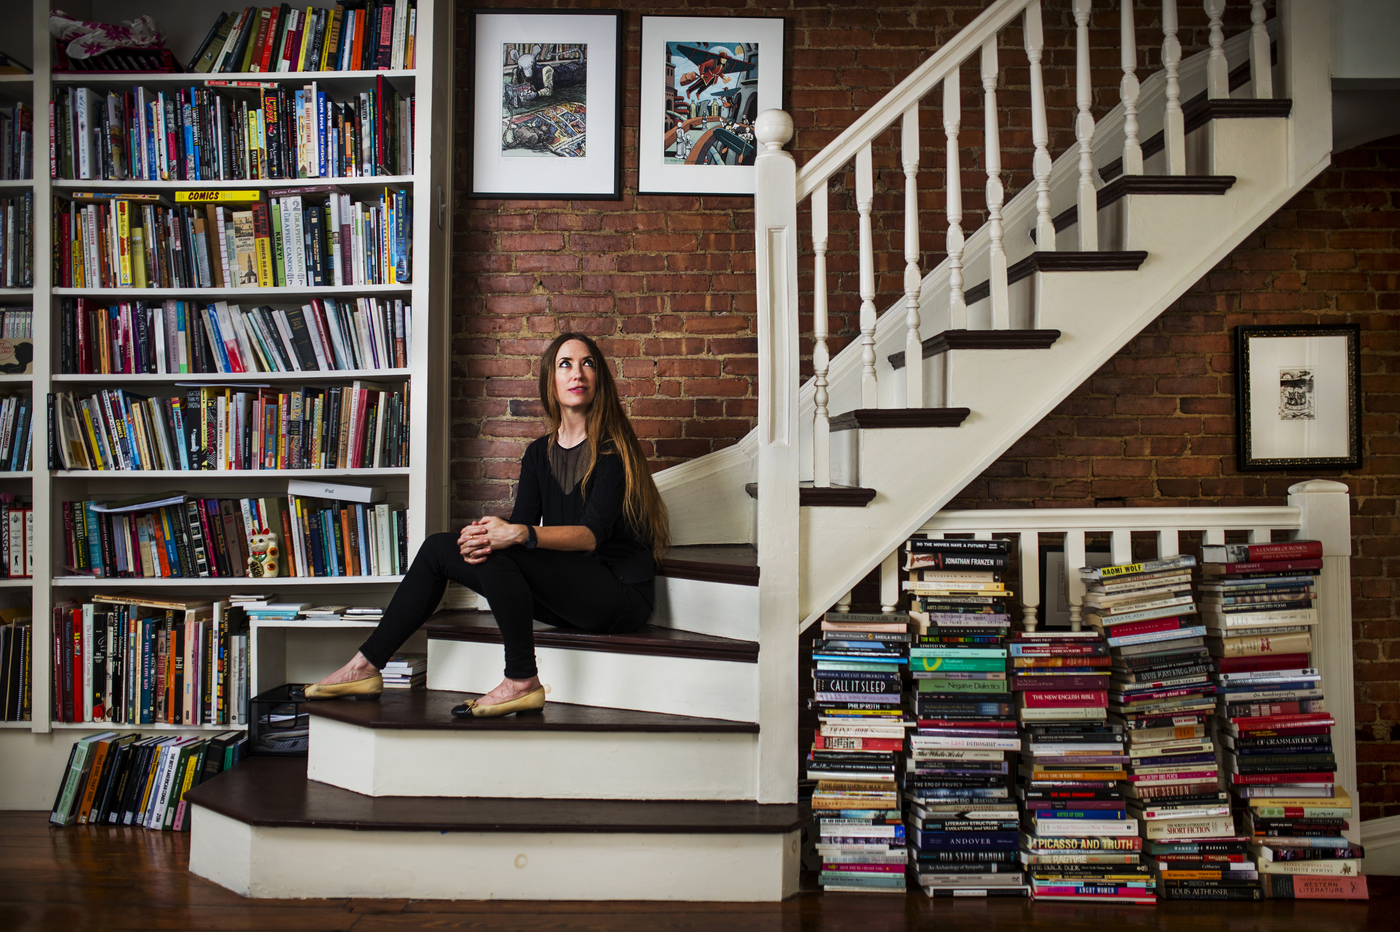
368, 687
531, 702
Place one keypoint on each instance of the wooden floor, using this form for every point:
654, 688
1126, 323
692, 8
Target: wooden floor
79, 879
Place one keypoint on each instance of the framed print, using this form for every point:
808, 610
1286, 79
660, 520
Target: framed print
705, 80
1298, 397
1054, 582
546, 104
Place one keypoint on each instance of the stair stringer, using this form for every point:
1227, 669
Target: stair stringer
1010, 391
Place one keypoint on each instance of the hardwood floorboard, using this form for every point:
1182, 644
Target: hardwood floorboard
125, 880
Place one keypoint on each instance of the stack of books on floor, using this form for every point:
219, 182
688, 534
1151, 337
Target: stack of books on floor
961, 819
1273, 718
857, 675
113, 779
406, 671
1078, 841
1162, 695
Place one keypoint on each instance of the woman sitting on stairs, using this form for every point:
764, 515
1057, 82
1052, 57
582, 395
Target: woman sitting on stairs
579, 550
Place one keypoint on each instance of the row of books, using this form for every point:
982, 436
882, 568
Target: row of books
138, 241
16, 433
16, 538
177, 337
960, 816
16, 657
233, 132
369, 35
113, 779
857, 753
358, 426
1272, 720
17, 142
338, 538
17, 240
133, 660
16, 323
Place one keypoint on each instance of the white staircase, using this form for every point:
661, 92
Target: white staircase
669, 756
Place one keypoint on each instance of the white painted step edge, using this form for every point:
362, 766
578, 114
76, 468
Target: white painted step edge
295, 862
534, 764
678, 686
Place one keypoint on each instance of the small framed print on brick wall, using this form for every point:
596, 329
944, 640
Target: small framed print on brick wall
546, 104
1298, 397
705, 80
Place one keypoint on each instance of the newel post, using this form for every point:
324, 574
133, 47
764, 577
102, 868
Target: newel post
1326, 507
775, 252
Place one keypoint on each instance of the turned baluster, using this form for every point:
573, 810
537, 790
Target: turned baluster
952, 116
1129, 91
865, 199
1174, 125
996, 193
913, 343
1040, 132
1261, 67
821, 355
1217, 68
1084, 132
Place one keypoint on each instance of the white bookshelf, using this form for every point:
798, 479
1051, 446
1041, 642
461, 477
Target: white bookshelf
423, 487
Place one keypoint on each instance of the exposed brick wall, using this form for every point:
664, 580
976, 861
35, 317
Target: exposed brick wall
1156, 425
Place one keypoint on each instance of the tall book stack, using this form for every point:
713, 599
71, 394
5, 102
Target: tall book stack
1273, 719
1078, 840
858, 666
961, 818
1161, 692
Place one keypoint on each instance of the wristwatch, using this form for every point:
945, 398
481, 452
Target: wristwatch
531, 541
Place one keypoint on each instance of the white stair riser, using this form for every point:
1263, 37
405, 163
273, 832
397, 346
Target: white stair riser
543, 765
719, 609
707, 688
294, 863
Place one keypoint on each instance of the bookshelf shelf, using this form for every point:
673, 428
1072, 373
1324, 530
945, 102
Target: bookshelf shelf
16, 183
25, 725
233, 473
17, 474
219, 378
309, 623
424, 489
325, 291
119, 728
271, 185
233, 584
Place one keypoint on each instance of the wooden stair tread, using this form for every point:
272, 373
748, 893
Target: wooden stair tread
736, 564
1067, 261
430, 710
982, 340
480, 627
882, 418
832, 496
276, 793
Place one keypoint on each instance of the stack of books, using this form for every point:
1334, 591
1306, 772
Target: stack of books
406, 671
961, 817
1078, 841
113, 779
1273, 718
857, 675
1300, 850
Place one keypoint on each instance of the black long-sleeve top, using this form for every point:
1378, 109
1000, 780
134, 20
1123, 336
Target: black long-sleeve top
624, 550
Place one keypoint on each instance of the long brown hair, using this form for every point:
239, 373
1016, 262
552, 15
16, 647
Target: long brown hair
607, 424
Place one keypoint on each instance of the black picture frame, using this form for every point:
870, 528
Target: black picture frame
1298, 397
523, 147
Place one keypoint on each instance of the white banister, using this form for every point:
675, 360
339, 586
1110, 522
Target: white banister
1218, 69
1120, 545
1074, 584
1174, 123
952, 117
1030, 578
889, 583
913, 342
865, 202
1168, 542
777, 533
1042, 164
1261, 68
996, 192
1129, 91
1084, 133
821, 354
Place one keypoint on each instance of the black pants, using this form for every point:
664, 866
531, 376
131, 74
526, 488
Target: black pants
565, 589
